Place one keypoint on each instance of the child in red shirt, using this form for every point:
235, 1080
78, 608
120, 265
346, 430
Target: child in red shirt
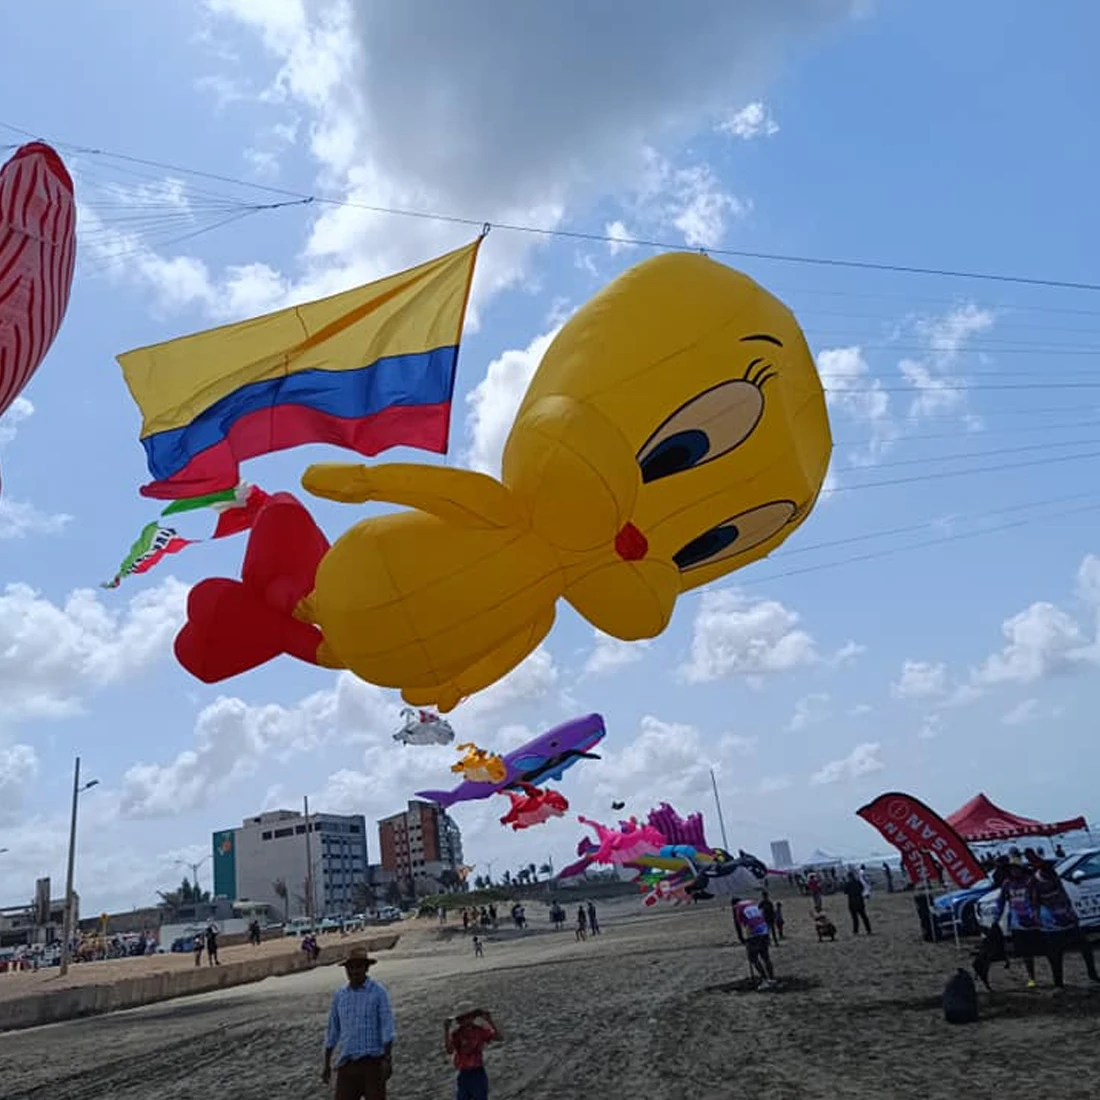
465, 1039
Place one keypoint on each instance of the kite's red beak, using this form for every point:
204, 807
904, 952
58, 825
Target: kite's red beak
631, 544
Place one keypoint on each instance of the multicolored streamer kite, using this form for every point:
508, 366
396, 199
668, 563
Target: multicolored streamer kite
237, 510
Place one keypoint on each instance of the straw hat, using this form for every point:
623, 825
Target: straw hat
359, 955
465, 1008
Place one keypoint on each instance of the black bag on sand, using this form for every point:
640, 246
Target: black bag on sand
960, 999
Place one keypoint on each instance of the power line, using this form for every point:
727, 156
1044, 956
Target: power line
580, 235
908, 529
889, 552
926, 437
993, 453
940, 474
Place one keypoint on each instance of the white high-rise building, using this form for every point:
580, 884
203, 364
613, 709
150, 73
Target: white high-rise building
781, 855
271, 848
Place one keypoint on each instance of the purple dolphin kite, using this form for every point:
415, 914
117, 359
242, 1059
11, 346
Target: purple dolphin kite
546, 757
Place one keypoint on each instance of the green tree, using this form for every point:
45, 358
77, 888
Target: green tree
283, 894
364, 897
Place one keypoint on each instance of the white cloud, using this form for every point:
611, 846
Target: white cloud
736, 744
752, 121
940, 386
852, 392
737, 635
809, 711
532, 682
493, 402
930, 728
232, 738
19, 411
18, 519
503, 135
52, 655
920, 680
862, 760
1042, 640
690, 199
1027, 710
619, 237
610, 654
18, 767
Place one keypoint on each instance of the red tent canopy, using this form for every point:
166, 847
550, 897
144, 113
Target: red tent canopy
981, 819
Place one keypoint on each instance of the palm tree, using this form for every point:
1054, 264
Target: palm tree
547, 869
506, 878
532, 873
170, 899
364, 897
281, 892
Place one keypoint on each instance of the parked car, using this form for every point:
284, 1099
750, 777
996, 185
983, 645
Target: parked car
389, 913
960, 908
1080, 872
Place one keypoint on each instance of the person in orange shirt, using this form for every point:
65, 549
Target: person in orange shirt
466, 1035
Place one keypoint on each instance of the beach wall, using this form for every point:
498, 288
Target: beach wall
53, 1006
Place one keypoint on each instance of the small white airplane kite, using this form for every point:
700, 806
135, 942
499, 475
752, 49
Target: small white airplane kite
422, 727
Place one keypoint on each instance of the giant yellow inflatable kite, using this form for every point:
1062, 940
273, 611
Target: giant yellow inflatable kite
675, 431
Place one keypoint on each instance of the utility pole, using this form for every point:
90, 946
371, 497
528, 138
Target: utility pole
67, 923
309, 869
718, 806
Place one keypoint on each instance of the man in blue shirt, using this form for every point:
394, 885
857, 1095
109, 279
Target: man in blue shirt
361, 1024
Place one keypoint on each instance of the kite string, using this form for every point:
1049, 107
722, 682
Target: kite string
582, 235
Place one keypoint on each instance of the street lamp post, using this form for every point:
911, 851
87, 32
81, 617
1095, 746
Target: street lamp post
194, 868
67, 924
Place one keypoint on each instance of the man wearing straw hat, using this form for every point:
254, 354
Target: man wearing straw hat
361, 1024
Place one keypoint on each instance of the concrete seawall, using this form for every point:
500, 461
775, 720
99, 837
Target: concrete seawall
53, 1006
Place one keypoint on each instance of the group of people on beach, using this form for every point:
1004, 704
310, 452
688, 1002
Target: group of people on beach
361, 1023
1041, 918
361, 1027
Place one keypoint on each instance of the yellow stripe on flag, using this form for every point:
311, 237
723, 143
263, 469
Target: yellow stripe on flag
404, 314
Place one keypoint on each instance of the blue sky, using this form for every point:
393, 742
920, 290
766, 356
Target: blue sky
925, 135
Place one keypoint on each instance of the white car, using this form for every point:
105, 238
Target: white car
1081, 874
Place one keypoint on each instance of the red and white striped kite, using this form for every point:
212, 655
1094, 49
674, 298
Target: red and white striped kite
37, 257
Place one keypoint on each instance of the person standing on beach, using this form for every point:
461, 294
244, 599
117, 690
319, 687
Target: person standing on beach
767, 907
815, 890
593, 923
361, 1024
1020, 897
465, 1039
197, 948
212, 946
857, 903
1058, 920
752, 931
582, 923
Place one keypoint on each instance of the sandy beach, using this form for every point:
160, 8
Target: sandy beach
657, 1006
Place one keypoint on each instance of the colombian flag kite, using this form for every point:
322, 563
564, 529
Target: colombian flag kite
368, 369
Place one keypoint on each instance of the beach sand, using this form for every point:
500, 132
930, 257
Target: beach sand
658, 1006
